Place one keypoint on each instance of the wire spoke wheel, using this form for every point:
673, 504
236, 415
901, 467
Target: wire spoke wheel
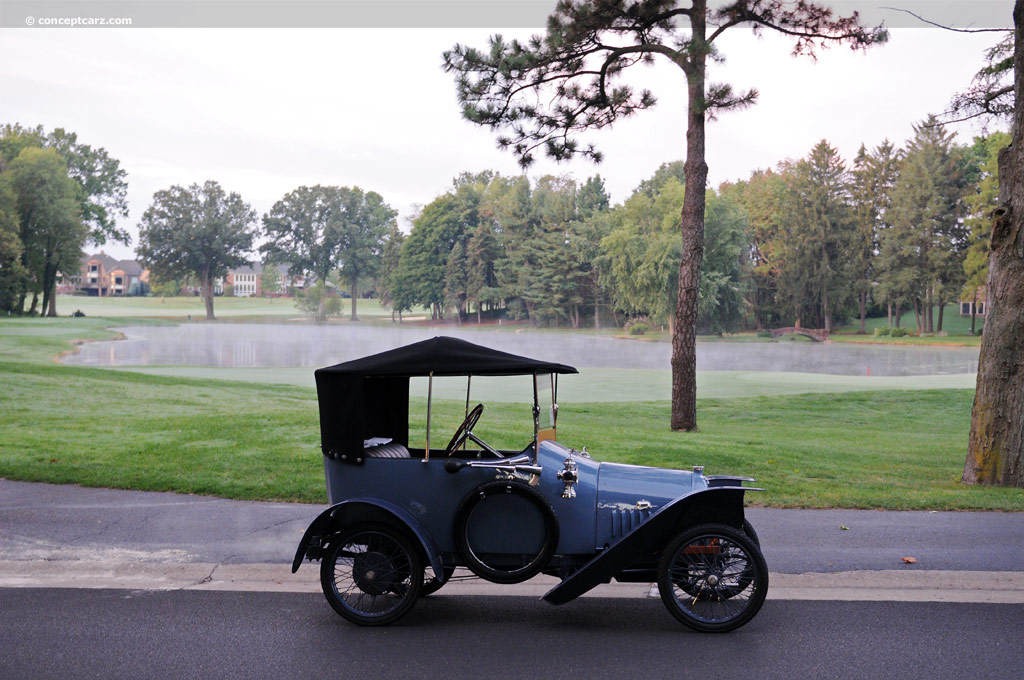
371, 575
713, 578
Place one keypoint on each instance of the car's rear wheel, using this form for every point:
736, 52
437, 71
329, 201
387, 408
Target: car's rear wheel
713, 578
371, 575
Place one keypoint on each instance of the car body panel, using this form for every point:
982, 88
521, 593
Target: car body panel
724, 503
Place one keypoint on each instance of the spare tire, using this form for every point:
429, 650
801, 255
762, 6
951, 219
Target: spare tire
505, 531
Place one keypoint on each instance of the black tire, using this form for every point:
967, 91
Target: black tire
432, 585
712, 578
371, 575
505, 567
748, 529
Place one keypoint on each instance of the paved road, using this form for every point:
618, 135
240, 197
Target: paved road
64, 522
121, 634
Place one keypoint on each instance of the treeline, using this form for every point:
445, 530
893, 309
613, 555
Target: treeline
816, 242
56, 195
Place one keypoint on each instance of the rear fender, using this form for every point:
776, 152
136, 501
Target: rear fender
720, 504
361, 510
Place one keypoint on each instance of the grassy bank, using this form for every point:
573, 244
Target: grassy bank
102, 427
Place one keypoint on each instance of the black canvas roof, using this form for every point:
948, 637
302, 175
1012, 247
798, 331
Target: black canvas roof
369, 397
444, 356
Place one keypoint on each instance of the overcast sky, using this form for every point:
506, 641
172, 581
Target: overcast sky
263, 111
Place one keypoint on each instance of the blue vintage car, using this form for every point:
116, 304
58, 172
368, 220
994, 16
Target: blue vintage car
402, 519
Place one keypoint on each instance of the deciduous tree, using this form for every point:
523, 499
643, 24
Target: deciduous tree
103, 183
548, 90
322, 229
199, 231
12, 272
49, 215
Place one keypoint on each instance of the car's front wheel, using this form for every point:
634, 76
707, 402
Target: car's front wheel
371, 575
713, 578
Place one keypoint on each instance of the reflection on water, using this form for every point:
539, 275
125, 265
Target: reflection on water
251, 346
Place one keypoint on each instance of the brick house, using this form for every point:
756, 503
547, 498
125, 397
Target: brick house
101, 275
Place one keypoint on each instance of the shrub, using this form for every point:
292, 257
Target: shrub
638, 329
881, 332
899, 332
318, 304
764, 333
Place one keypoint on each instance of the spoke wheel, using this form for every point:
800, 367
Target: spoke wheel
371, 575
713, 578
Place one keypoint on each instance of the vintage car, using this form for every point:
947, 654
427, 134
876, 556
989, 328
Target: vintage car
402, 519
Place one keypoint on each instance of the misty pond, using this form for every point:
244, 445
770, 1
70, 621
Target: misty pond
266, 346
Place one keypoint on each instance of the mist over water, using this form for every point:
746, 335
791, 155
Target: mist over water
282, 346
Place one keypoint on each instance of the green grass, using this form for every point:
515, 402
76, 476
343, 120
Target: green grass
225, 308
605, 384
952, 323
101, 427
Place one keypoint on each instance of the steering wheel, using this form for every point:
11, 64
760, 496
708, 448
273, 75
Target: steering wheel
464, 429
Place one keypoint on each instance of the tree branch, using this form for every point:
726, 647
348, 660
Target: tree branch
950, 28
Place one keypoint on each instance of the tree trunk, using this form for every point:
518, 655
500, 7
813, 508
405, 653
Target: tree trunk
354, 317
863, 311
917, 314
597, 311
826, 313
995, 452
52, 307
974, 310
684, 339
930, 319
889, 308
49, 287
942, 308
35, 302
208, 295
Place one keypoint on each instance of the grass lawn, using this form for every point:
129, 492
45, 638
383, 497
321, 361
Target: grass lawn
952, 323
236, 439
604, 384
228, 308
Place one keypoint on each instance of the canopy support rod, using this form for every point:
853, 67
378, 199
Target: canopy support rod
469, 382
554, 400
536, 420
430, 394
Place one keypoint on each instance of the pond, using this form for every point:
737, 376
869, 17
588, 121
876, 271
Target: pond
269, 346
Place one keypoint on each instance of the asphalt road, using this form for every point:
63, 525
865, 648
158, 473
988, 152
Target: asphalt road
75, 633
65, 522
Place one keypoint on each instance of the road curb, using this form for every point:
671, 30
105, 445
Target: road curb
892, 585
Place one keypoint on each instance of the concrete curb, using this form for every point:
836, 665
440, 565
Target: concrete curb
893, 586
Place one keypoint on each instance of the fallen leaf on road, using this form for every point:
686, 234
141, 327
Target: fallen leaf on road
909, 560
844, 528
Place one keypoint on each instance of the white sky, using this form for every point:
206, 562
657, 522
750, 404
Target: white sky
265, 111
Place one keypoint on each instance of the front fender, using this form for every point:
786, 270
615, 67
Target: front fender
721, 505
358, 510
